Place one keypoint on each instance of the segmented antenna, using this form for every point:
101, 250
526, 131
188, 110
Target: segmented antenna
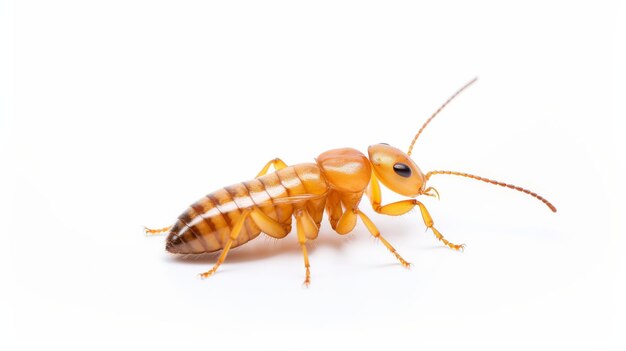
535, 195
437, 112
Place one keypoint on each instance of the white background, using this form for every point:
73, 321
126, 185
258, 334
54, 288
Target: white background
118, 114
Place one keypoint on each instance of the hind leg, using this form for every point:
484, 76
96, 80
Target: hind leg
158, 231
234, 233
278, 164
268, 225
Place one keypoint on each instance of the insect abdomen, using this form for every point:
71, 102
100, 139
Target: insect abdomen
206, 225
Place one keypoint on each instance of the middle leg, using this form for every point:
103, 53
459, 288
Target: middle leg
306, 228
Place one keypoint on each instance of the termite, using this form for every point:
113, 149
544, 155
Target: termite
336, 182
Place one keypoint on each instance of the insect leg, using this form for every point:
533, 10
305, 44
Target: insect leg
267, 224
402, 207
392, 209
334, 209
346, 222
278, 164
428, 220
306, 228
376, 233
158, 231
373, 191
234, 233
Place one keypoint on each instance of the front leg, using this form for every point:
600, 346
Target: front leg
376, 234
347, 222
402, 207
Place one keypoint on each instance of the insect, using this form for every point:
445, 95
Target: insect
335, 184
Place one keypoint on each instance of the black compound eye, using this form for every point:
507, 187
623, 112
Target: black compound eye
402, 170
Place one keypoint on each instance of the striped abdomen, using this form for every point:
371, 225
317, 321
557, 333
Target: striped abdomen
206, 225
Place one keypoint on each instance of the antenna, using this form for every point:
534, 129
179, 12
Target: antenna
437, 112
535, 195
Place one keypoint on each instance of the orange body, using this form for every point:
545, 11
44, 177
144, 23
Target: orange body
206, 225
336, 183
339, 177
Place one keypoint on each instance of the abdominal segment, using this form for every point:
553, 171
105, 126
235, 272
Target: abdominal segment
206, 225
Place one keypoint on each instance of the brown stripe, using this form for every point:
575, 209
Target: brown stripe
186, 218
201, 211
180, 236
248, 191
264, 186
240, 195
224, 217
255, 205
255, 228
232, 199
208, 205
277, 208
256, 189
187, 244
245, 225
220, 204
272, 181
200, 237
283, 184
301, 181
